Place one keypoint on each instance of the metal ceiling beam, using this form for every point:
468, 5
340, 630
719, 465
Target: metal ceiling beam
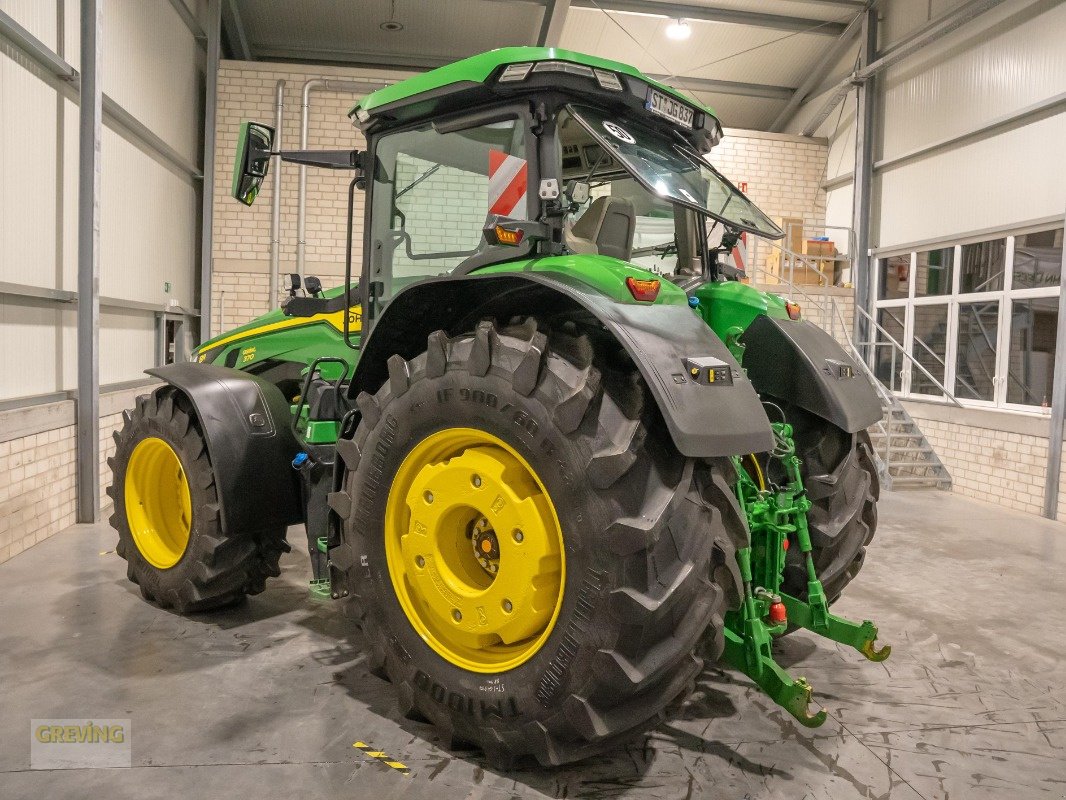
324, 55
551, 26
190, 21
712, 14
427, 62
931, 33
854, 5
726, 87
234, 28
818, 74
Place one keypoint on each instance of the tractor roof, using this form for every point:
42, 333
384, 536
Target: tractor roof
480, 70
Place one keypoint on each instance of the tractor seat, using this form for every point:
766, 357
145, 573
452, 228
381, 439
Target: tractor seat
607, 228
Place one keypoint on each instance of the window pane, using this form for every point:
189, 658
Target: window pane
975, 360
930, 345
1032, 350
431, 197
982, 266
1038, 259
934, 272
887, 366
894, 273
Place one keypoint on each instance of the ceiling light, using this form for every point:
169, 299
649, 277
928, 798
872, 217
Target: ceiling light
391, 25
678, 29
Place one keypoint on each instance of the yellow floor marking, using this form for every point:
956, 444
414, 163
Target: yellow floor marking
383, 757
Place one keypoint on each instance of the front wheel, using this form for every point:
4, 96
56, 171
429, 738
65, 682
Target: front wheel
535, 563
167, 513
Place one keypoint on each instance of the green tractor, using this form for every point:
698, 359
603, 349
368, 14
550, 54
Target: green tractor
551, 453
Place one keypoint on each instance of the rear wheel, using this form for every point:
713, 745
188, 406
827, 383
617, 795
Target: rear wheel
167, 513
841, 481
535, 562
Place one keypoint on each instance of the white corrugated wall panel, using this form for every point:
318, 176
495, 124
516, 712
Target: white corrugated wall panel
70, 197
39, 17
27, 176
148, 227
30, 339
1014, 177
841, 158
1009, 59
150, 69
127, 345
838, 210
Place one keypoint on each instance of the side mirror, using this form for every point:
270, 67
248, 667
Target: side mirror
254, 146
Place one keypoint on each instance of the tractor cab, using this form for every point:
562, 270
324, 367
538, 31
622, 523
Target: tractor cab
521, 153
596, 157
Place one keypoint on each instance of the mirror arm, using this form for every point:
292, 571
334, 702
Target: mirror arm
328, 159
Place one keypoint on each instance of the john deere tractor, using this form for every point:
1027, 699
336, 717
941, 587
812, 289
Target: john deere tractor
551, 452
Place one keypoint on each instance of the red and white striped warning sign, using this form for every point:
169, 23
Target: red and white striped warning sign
740, 252
508, 176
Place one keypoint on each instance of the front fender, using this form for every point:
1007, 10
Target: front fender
801, 363
666, 342
245, 421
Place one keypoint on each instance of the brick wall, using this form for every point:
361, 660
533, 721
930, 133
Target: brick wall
997, 457
37, 481
36, 488
782, 173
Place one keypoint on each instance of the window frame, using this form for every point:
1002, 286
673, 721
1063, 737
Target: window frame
954, 301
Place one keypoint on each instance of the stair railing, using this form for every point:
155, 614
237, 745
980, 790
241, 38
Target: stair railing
827, 305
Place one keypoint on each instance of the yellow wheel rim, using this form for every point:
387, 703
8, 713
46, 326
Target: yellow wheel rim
158, 504
474, 550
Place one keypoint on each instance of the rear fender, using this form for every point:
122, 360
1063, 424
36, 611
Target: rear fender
245, 421
665, 341
801, 363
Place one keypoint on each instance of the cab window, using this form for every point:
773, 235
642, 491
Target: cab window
432, 195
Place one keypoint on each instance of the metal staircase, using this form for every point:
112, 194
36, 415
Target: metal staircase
905, 458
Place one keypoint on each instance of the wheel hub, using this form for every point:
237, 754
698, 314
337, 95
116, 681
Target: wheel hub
158, 503
474, 550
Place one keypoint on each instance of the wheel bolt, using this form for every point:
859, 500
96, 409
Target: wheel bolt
518, 536
420, 562
428, 497
476, 480
457, 615
507, 606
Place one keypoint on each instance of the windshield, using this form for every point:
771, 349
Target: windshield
673, 170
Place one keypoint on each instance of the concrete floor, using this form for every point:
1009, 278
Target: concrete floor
267, 699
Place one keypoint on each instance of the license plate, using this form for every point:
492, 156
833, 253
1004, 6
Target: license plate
672, 109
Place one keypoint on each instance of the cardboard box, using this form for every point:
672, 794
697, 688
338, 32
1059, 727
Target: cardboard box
793, 228
816, 247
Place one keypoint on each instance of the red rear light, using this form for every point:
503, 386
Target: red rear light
793, 309
644, 290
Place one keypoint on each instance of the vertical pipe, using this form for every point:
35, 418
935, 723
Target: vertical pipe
275, 201
207, 213
301, 200
90, 114
865, 102
1058, 408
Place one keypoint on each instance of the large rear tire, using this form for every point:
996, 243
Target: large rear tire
167, 513
634, 544
842, 484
